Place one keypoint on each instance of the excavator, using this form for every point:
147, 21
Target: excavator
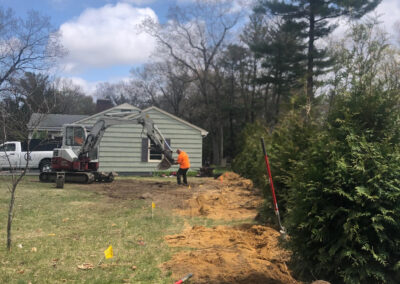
77, 159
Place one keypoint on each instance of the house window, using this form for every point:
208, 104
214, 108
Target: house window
154, 155
149, 153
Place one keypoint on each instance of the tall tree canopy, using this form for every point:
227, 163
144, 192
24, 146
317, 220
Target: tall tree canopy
194, 38
314, 15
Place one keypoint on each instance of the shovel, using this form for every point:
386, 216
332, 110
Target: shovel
271, 183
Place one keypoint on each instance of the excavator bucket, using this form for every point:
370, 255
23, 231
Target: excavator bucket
165, 164
167, 161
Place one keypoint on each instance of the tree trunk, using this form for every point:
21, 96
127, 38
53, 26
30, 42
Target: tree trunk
232, 134
277, 109
310, 56
253, 92
10, 215
221, 143
215, 147
266, 104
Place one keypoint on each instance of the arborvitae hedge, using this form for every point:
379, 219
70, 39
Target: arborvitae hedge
250, 162
285, 145
338, 187
345, 207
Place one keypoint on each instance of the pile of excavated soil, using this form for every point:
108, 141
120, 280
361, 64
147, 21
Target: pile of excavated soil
241, 254
232, 197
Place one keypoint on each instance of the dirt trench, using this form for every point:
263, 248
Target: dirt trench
245, 253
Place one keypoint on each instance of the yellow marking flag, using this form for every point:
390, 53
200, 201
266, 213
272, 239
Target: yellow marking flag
153, 205
108, 253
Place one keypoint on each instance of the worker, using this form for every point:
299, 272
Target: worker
78, 141
184, 165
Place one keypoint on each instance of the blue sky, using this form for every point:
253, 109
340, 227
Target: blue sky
102, 36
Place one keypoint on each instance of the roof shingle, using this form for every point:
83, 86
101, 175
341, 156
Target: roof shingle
39, 120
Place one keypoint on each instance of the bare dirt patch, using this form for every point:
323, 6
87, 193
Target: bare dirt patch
223, 254
231, 197
164, 193
246, 253
242, 254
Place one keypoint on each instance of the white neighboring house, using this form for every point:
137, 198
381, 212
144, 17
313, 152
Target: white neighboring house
50, 125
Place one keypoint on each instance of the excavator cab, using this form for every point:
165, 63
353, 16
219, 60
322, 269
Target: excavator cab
74, 136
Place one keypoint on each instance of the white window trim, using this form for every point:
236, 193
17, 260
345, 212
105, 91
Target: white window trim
148, 154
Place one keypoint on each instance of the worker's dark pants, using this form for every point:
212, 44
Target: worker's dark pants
181, 172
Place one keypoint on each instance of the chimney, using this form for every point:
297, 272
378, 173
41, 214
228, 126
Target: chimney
103, 104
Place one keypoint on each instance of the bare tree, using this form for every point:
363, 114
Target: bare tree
145, 84
13, 125
25, 45
70, 98
364, 59
194, 37
164, 83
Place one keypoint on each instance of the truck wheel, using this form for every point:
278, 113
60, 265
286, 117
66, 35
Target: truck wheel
45, 166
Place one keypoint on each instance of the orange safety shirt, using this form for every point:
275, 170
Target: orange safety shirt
183, 160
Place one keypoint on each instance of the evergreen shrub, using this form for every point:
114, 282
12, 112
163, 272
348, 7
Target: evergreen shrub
285, 145
345, 208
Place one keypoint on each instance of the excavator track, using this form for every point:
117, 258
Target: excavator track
70, 177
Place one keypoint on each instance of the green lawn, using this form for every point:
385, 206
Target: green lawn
69, 227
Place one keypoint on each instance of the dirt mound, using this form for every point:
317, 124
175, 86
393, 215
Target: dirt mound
244, 254
232, 197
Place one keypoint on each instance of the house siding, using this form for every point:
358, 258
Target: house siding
121, 147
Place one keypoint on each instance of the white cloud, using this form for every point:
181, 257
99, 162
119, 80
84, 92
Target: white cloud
87, 87
235, 3
105, 37
387, 11
139, 2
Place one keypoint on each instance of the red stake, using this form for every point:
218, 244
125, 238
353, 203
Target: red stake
283, 230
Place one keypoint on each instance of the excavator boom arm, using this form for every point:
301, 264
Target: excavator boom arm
153, 133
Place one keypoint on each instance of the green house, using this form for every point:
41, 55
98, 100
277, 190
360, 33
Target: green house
125, 148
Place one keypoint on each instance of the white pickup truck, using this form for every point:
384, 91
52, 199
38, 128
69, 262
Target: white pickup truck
14, 155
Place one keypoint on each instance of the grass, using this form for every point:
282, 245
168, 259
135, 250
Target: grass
69, 227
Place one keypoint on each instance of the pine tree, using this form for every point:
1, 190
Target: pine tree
315, 16
282, 60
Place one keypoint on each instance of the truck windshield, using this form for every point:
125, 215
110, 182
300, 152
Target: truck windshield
75, 136
7, 148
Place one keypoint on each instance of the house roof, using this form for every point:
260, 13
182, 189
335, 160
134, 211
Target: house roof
117, 109
55, 121
51, 121
203, 132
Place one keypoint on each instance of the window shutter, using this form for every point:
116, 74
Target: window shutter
145, 149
